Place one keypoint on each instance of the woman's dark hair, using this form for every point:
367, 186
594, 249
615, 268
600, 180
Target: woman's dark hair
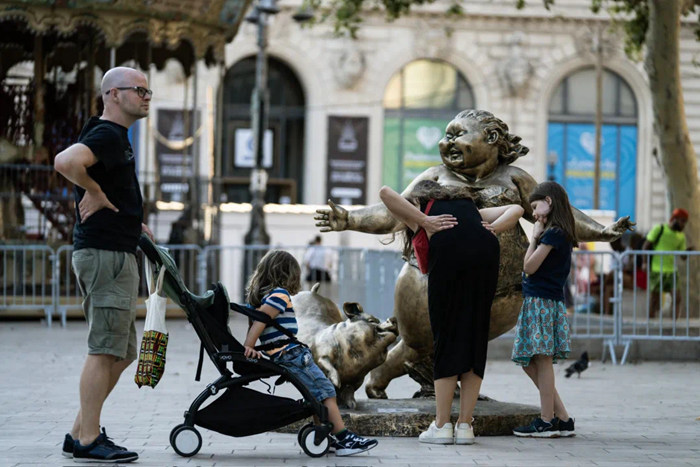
561, 215
276, 269
424, 191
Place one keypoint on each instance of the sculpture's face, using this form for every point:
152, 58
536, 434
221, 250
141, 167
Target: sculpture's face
467, 149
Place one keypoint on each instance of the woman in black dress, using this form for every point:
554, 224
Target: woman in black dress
462, 276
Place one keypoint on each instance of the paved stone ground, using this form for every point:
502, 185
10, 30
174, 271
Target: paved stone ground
634, 415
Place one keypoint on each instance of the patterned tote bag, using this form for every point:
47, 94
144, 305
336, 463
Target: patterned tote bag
151, 363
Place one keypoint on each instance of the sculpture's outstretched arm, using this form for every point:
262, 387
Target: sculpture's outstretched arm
374, 219
588, 230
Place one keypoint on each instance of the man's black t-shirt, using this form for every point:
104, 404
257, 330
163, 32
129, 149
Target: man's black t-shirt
549, 279
115, 172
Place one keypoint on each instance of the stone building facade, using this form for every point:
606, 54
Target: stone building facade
388, 90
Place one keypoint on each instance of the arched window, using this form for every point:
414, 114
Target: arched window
419, 101
283, 152
571, 141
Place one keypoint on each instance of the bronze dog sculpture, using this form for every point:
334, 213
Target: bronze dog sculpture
345, 349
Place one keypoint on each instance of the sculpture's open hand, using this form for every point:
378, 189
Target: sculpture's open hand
614, 231
334, 219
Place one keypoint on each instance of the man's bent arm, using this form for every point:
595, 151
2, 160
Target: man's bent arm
73, 162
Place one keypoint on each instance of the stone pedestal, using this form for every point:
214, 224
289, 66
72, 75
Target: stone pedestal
409, 417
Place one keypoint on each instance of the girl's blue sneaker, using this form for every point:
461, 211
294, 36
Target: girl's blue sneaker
566, 428
538, 429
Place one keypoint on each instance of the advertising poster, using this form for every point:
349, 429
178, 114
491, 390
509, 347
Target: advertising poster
347, 159
174, 154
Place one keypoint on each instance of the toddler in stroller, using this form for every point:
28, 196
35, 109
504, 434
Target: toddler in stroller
240, 411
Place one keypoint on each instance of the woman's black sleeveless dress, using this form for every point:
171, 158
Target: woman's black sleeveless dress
462, 276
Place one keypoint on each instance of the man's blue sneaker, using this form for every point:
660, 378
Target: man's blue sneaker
102, 450
69, 442
538, 429
348, 443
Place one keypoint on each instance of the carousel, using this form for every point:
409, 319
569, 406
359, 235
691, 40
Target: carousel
52, 54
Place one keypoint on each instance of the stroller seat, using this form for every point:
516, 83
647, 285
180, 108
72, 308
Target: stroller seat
236, 410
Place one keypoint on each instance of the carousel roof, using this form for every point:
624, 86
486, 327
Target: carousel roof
141, 30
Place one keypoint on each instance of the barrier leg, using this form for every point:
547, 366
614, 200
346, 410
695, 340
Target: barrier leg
625, 353
604, 353
611, 348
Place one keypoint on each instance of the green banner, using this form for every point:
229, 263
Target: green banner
410, 147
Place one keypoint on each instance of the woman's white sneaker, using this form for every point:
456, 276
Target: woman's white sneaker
464, 433
435, 435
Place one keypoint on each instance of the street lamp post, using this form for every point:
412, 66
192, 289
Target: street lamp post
257, 235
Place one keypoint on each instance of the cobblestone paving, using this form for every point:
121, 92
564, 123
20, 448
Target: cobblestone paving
634, 415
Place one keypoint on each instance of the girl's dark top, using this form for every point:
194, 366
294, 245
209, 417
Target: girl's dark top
115, 172
463, 272
550, 278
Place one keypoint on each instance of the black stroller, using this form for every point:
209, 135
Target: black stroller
237, 411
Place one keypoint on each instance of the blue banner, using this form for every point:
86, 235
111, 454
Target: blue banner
571, 162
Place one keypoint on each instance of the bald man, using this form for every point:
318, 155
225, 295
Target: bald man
109, 222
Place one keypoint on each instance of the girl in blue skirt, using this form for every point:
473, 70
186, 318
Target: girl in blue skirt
542, 331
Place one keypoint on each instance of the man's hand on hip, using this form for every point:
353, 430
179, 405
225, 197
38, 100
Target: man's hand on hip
93, 202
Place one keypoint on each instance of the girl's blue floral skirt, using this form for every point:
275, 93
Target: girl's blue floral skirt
542, 329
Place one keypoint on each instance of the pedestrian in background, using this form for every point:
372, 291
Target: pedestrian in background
663, 278
316, 262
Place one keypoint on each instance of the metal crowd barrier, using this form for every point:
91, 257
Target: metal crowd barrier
357, 275
658, 306
610, 296
591, 293
26, 278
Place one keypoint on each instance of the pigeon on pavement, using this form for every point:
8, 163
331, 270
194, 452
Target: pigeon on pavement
578, 366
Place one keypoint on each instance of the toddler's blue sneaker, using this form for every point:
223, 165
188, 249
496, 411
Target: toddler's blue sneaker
348, 443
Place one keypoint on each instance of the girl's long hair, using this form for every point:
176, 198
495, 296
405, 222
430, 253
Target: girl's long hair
276, 269
561, 215
423, 192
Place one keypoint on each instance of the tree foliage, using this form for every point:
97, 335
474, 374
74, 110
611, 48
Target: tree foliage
632, 15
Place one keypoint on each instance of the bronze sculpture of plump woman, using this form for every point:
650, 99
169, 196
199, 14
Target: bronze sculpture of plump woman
476, 150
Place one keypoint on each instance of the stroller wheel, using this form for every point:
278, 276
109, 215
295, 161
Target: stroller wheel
172, 433
185, 440
301, 430
307, 438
